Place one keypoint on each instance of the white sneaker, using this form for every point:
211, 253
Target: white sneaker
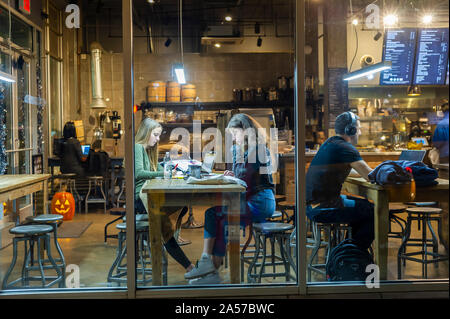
210, 279
204, 266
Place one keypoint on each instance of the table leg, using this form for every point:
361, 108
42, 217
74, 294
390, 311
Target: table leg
154, 218
44, 197
381, 215
234, 237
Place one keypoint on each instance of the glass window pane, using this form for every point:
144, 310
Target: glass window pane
221, 225
369, 128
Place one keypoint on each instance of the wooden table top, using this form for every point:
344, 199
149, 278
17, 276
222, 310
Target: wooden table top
442, 183
180, 186
11, 182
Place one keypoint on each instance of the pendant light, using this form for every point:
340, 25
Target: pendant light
178, 68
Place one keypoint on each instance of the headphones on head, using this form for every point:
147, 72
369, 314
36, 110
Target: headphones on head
350, 128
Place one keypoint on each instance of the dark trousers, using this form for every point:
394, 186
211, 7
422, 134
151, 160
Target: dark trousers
356, 212
171, 244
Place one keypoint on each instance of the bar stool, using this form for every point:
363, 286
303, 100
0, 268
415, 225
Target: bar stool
334, 234
115, 211
423, 216
53, 220
275, 232
279, 198
394, 210
67, 182
32, 235
118, 271
95, 181
284, 206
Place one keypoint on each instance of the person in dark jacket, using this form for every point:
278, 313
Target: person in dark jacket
71, 155
252, 164
326, 175
440, 136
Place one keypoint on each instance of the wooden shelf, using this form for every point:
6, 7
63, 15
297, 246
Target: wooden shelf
211, 106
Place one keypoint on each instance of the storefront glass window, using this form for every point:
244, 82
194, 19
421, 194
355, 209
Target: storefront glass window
21, 33
376, 151
214, 153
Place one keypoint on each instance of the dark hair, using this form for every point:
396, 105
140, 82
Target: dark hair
444, 107
69, 131
341, 122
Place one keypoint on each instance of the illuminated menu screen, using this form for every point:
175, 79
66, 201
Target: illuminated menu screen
431, 57
399, 48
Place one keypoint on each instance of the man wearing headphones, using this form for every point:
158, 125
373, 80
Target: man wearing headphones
326, 174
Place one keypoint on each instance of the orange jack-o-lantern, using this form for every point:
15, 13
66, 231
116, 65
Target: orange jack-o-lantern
63, 204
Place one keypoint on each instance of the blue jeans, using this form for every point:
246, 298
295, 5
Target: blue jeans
357, 212
259, 207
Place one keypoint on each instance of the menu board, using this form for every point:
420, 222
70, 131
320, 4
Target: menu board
337, 93
399, 48
431, 57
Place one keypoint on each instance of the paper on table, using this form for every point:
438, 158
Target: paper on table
183, 165
216, 180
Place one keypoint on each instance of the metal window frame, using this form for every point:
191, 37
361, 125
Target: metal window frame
302, 289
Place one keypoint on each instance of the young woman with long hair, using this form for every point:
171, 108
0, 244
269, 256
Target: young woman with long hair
251, 163
147, 167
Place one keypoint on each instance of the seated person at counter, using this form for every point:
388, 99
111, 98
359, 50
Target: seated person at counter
147, 167
259, 198
326, 174
71, 155
440, 136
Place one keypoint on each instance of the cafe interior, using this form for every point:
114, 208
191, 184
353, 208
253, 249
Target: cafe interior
100, 68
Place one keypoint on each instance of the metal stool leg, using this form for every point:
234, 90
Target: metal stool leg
87, 197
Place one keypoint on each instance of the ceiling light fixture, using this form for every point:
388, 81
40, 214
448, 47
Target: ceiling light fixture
390, 19
355, 22
217, 45
178, 68
427, 19
7, 77
367, 71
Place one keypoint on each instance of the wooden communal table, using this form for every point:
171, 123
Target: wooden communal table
380, 196
13, 187
176, 192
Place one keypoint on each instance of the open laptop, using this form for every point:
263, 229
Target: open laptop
412, 155
208, 162
85, 149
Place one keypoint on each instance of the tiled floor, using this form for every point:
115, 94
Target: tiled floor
94, 257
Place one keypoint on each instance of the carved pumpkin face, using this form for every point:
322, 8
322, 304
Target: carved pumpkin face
63, 204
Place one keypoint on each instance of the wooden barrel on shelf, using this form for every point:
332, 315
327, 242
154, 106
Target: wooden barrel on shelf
173, 92
188, 93
156, 91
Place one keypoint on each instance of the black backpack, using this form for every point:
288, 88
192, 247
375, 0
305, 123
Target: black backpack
348, 262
